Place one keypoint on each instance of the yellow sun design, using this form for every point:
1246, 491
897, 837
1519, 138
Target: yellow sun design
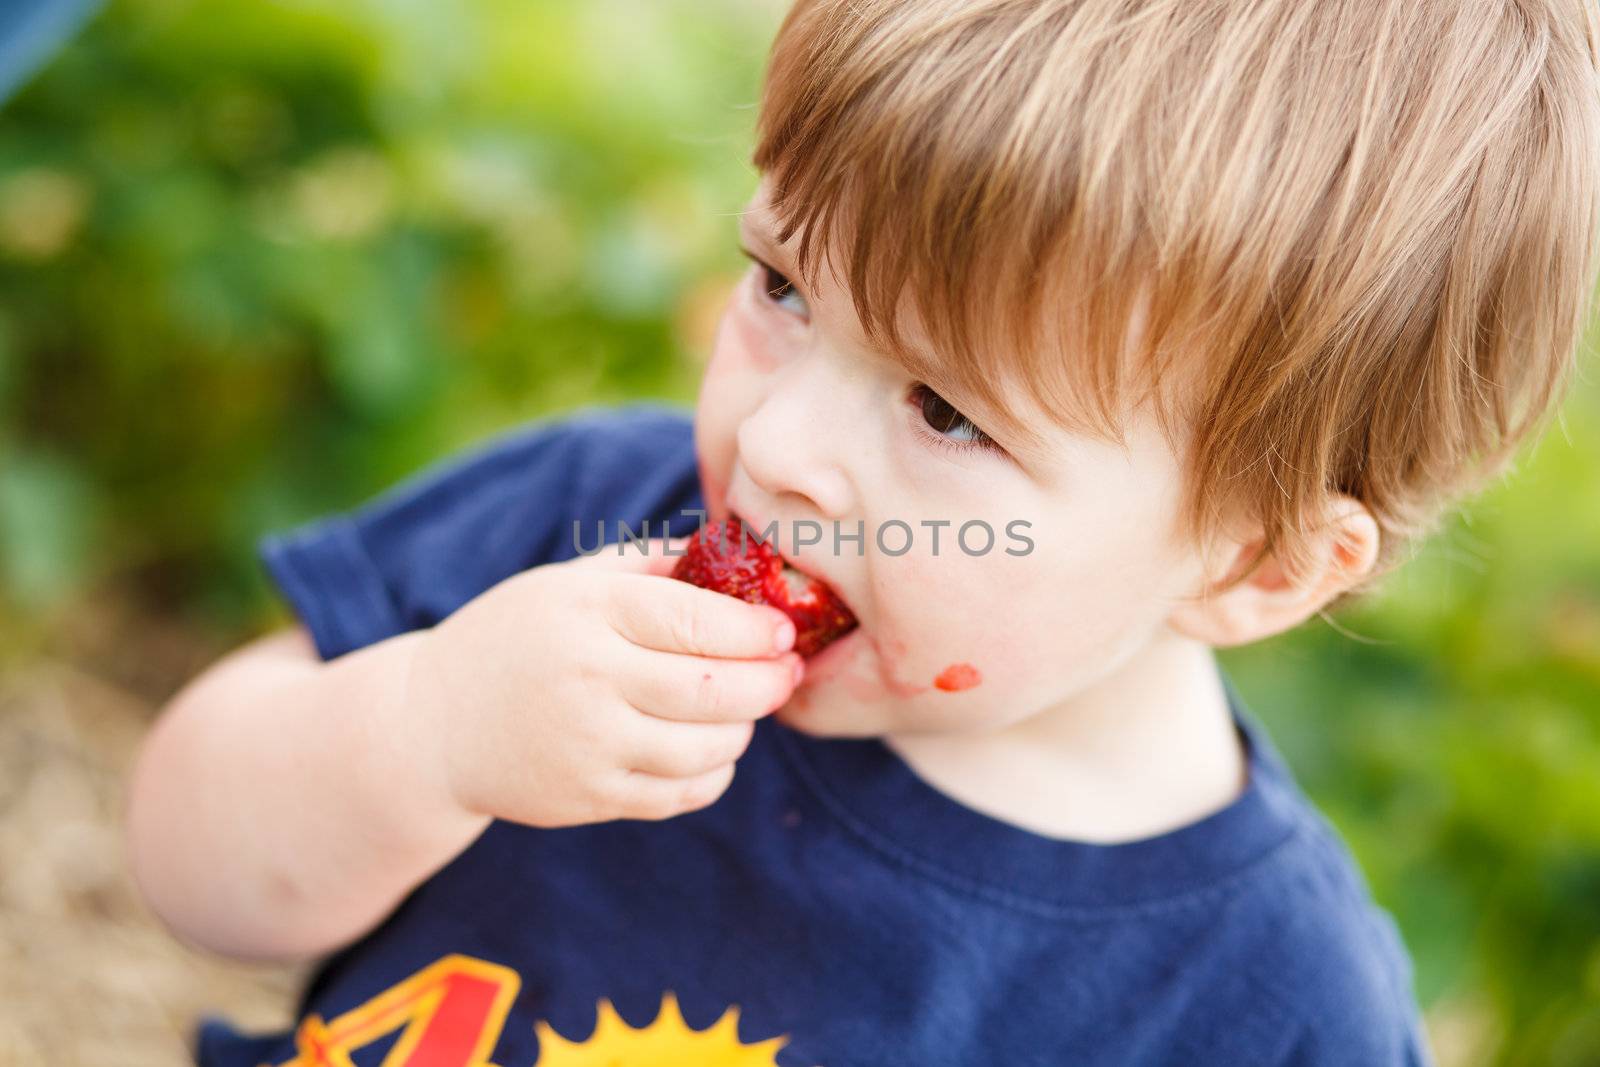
666, 1042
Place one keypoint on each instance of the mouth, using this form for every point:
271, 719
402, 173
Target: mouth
729, 558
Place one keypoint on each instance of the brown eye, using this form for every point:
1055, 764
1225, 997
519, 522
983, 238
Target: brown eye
942, 417
777, 285
782, 292
776, 288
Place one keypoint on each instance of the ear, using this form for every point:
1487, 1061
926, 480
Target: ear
1270, 601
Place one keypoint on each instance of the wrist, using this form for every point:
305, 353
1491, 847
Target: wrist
409, 733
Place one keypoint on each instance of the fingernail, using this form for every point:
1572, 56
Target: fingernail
799, 669
783, 636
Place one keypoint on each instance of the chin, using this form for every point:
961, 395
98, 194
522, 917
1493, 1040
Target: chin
811, 711
853, 688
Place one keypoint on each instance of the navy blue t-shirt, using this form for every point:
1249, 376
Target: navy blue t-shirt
831, 908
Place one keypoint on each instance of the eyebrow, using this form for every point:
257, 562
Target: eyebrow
754, 232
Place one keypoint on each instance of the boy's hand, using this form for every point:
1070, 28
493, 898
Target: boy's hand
596, 689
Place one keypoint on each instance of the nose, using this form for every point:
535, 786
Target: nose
792, 444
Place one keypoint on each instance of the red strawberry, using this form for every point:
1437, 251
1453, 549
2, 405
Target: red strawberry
730, 558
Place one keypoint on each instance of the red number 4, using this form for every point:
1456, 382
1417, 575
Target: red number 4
452, 1012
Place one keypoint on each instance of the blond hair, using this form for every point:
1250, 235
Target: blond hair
1366, 230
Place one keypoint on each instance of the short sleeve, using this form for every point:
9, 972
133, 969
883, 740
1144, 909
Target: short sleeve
419, 551
1343, 967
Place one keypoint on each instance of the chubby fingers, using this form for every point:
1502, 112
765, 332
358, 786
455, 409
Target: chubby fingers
649, 796
694, 689
671, 616
685, 749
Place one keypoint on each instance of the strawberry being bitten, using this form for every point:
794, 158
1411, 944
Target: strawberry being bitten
729, 558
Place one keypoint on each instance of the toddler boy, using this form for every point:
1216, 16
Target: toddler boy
1200, 308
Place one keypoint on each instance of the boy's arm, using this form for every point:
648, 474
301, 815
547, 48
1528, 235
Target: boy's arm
282, 805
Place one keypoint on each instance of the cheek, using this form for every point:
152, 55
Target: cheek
947, 626
745, 340
1087, 611
732, 387
993, 638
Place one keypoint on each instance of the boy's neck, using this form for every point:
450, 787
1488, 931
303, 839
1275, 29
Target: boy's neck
1148, 749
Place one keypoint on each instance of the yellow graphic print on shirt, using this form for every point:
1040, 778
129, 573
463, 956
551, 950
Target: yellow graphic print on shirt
667, 1042
451, 1013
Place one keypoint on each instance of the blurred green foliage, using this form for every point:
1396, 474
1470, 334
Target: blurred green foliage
1450, 727
260, 260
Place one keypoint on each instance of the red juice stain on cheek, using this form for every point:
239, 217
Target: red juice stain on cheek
957, 677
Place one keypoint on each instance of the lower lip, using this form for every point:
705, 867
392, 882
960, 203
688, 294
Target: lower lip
871, 683
828, 662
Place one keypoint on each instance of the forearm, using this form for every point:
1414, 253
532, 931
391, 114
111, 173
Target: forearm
283, 806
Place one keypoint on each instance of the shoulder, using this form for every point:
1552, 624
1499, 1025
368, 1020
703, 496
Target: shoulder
633, 459
609, 462
567, 444
585, 442
1329, 958
642, 428
412, 555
